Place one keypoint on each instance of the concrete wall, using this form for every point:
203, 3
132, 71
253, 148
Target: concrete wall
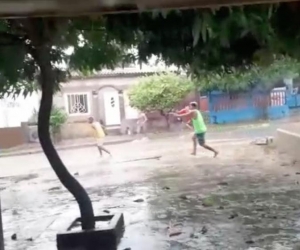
76, 130
288, 141
12, 137
90, 85
14, 111
72, 130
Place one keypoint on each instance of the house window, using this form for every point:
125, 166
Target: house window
78, 104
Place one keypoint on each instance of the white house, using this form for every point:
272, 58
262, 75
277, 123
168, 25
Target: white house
14, 111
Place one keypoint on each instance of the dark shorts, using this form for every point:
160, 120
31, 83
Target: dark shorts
201, 138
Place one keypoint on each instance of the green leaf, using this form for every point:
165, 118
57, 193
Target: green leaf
58, 118
159, 92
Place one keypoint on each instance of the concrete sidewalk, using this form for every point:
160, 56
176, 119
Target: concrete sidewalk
35, 148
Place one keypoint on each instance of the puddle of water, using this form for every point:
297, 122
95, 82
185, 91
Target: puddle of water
19, 178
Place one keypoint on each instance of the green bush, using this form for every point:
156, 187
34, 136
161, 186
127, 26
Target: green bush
58, 118
160, 92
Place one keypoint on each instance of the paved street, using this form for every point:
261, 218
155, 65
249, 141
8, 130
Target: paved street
248, 197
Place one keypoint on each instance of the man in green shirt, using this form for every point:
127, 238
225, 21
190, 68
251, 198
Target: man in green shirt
199, 128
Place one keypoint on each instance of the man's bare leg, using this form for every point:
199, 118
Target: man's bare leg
138, 129
194, 139
101, 148
210, 149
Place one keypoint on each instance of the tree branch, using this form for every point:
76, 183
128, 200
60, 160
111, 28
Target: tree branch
11, 39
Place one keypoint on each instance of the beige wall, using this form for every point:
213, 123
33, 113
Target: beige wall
76, 130
95, 84
58, 100
287, 141
12, 137
88, 86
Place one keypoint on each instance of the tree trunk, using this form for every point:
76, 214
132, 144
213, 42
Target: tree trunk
47, 81
1, 230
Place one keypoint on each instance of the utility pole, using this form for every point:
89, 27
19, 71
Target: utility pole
1, 230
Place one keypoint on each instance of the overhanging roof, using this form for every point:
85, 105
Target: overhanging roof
22, 8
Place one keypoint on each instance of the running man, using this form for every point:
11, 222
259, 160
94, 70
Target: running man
99, 135
199, 128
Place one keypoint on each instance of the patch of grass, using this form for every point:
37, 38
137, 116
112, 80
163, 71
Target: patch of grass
208, 202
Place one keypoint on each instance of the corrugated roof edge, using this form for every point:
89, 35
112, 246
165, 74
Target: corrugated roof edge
110, 74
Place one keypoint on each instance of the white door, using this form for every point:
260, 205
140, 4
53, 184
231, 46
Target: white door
112, 108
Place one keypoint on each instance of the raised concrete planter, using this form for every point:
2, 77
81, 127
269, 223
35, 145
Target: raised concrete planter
288, 142
104, 237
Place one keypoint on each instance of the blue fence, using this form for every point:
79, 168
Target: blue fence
293, 100
232, 108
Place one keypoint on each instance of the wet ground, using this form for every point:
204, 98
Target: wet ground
247, 198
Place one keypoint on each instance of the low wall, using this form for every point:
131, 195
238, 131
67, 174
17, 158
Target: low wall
12, 137
76, 130
288, 141
69, 131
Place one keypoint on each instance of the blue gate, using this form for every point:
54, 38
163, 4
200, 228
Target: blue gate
239, 107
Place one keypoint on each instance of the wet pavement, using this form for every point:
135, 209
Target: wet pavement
247, 198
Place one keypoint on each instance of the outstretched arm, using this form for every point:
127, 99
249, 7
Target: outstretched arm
184, 115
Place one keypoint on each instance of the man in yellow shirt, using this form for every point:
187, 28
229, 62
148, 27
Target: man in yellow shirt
99, 135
